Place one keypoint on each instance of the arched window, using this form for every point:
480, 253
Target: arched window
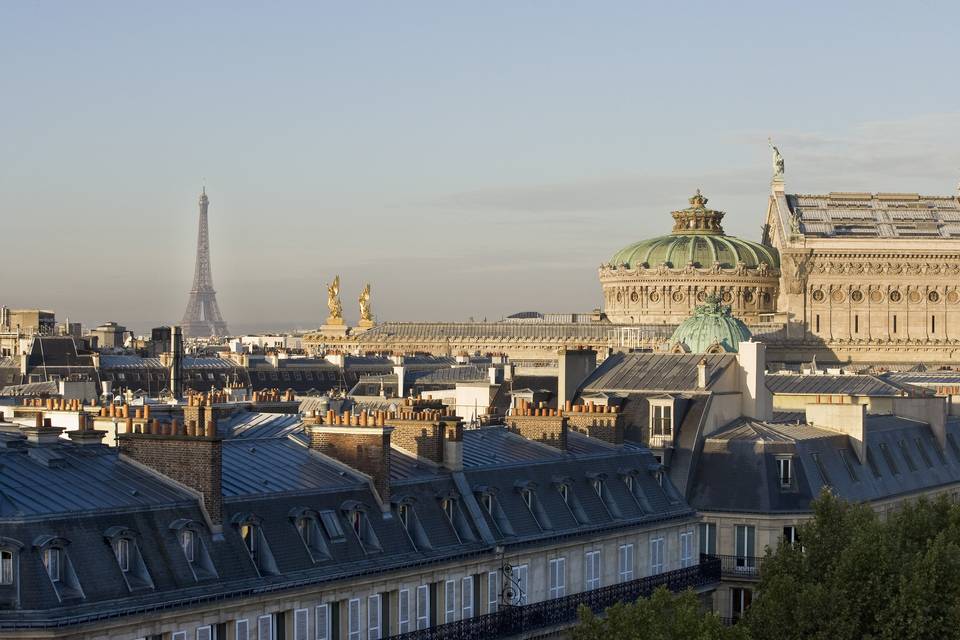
356, 513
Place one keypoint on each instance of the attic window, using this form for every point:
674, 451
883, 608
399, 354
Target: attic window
59, 569
128, 557
256, 545
6, 567
309, 531
564, 493
785, 472
448, 506
628, 480
528, 498
597, 485
403, 512
661, 419
487, 501
194, 549
360, 523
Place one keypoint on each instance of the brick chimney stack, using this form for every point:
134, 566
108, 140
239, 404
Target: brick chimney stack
184, 452
364, 448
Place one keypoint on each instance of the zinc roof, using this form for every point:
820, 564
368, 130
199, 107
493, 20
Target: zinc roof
654, 371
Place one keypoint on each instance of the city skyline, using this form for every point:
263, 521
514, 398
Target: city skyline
521, 167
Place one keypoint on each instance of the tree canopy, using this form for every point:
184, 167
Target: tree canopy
854, 575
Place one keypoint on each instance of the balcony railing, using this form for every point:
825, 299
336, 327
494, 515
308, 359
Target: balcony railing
740, 567
516, 620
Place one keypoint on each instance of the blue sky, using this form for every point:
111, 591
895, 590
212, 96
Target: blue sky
468, 159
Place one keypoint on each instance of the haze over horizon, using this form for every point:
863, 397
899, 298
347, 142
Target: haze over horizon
466, 160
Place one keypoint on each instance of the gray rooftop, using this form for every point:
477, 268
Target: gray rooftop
877, 215
857, 385
654, 372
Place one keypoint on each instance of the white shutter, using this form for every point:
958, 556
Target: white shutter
466, 598
265, 628
321, 623
423, 606
403, 605
373, 617
301, 624
450, 601
353, 619
493, 592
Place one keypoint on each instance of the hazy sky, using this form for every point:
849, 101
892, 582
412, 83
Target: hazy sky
468, 159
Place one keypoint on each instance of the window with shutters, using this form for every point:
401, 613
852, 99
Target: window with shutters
558, 578
353, 619
450, 601
321, 622
466, 598
625, 562
657, 553
265, 628
205, 633
403, 610
301, 624
591, 570
493, 592
423, 606
373, 617
241, 630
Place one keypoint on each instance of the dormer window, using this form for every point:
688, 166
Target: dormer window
122, 550
597, 485
498, 518
193, 548
527, 498
360, 523
407, 515
564, 487
251, 535
448, 505
57, 565
487, 501
785, 471
331, 526
6, 567
129, 560
528, 494
628, 480
188, 542
51, 560
661, 422
305, 521
564, 493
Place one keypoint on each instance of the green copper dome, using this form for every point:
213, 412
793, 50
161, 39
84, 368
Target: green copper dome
711, 324
697, 239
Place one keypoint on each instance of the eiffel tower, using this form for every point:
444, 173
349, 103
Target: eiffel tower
202, 317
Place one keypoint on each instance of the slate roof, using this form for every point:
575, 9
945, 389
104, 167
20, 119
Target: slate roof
269, 473
31, 389
654, 372
66, 479
877, 215
857, 385
737, 468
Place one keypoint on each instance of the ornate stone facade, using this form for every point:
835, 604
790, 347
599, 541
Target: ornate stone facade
662, 280
869, 277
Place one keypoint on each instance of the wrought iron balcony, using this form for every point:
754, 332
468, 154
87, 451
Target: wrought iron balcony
516, 620
740, 567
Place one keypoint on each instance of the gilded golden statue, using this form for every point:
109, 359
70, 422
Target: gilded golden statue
333, 299
366, 314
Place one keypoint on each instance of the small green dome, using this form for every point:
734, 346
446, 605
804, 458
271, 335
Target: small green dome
697, 239
711, 324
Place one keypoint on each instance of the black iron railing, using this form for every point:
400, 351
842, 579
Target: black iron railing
743, 567
515, 620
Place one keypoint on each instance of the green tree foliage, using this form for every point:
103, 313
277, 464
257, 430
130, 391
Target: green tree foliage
662, 616
858, 575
